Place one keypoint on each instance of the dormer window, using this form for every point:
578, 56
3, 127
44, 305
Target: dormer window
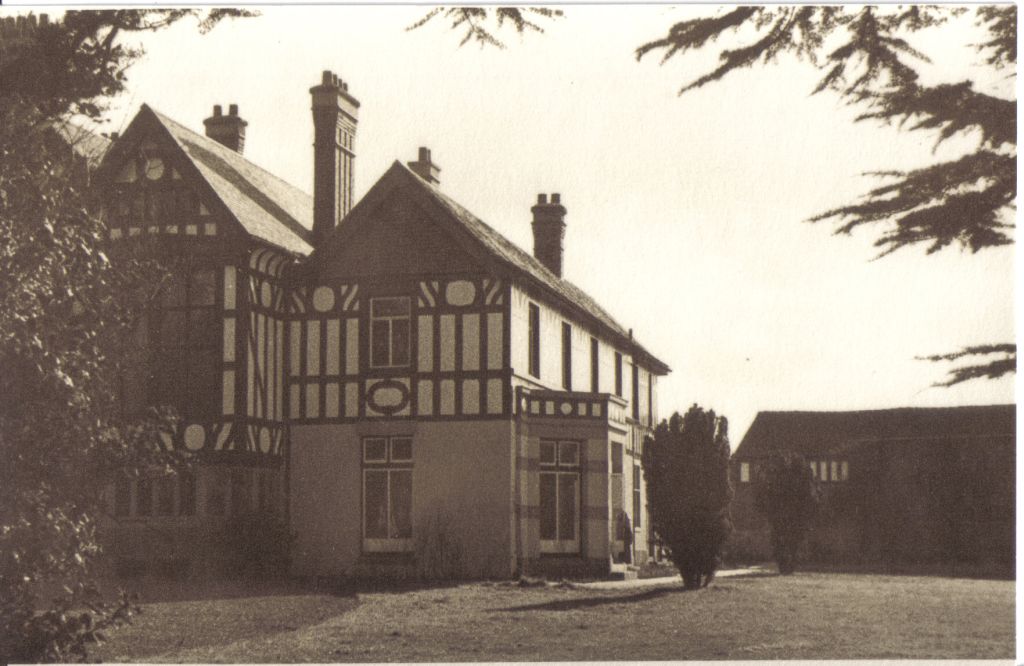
389, 332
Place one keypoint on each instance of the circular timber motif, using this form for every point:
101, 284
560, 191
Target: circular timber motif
460, 293
388, 396
566, 408
195, 437
323, 299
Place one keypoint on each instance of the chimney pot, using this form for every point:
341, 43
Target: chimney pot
326, 78
549, 231
229, 130
425, 168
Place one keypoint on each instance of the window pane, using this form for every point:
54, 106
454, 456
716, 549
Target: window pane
616, 458
547, 453
204, 328
400, 342
814, 470
123, 497
401, 505
844, 471
165, 496
374, 449
144, 498
389, 307
375, 502
548, 506
744, 472
173, 328
835, 470
240, 496
567, 506
204, 287
379, 343
401, 449
824, 471
568, 453
186, 494
216, 494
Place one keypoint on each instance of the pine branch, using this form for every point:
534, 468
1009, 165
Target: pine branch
991, 370
475, 20
964, 200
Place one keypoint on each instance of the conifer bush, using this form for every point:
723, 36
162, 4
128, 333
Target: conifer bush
788, 495
686, 466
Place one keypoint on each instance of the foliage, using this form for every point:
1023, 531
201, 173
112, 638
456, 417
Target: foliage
439, 550
789, 497
866, 59
475, 21
67, 310
686, 466
991, 370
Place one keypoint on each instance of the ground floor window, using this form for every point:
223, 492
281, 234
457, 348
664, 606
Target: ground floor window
387, 494
559, 497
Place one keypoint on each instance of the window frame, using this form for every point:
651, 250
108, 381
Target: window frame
390, 319
533, 341
595, 365
637, 496
390, 464
558, 469
566, 356
618, 374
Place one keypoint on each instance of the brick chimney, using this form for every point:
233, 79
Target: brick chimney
335, 114
424, 168
548, 231
226, 130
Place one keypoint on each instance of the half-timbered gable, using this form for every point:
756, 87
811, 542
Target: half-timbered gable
416, 376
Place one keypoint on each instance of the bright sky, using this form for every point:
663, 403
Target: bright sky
685, 213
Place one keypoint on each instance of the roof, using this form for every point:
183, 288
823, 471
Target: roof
528, 266
85, 143
821, 432
267, 207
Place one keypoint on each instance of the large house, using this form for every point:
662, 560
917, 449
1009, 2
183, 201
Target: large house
911, 485
389, 374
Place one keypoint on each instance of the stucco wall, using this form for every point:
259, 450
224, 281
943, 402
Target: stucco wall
462, 484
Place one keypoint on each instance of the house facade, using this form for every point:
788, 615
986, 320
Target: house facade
392, 376
900, 486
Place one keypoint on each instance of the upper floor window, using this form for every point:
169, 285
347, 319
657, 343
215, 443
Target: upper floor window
534, 340
187, 341
745, 472
566, 356
636, 392
618, 374
830, 470
594, 379
389, 332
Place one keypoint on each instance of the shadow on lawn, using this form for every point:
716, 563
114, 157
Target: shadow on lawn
590, 602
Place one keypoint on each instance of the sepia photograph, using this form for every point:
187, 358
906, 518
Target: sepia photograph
560, 333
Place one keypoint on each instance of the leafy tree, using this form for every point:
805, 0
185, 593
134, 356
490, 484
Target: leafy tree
686, 466
68, 308
867, 59
788, 495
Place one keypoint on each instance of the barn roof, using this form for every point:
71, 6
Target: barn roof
266, 206
813, 433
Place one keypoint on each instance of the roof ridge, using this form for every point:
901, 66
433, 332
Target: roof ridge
219, 147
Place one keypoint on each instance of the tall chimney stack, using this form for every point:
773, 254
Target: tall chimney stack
226, 130
548, 231
335, 114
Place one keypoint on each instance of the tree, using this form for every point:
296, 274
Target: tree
788, 495
67, 309
686, 466
475, 21
867, 59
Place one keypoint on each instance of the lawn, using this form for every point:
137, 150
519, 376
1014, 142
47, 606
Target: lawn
806, 616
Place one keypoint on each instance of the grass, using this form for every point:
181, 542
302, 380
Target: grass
806, 616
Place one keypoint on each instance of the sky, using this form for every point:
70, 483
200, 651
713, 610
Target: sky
686, 214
